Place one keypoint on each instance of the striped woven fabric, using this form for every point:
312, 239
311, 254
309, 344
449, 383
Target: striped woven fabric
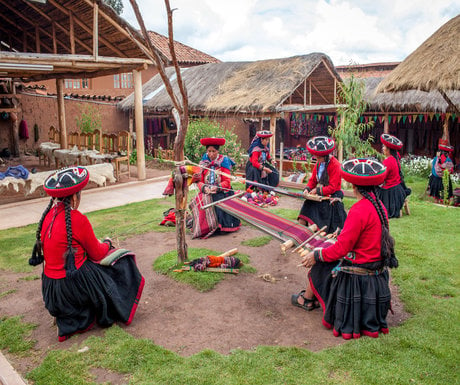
278, 227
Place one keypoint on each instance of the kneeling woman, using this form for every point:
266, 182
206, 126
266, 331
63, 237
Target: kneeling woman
354, 293
76, 288
259, 167
325, 181
214, 186
393, 192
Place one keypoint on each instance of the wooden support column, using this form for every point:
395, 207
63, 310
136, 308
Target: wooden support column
273, 137
139, 123
261, 123
95, 31
445, 128
15, 137
386, 124
61, 113
53, 32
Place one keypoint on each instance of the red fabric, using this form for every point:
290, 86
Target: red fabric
392, 179
23, 130
335, 177
224, 178
254, 159
361, 234
212, 141
54, 240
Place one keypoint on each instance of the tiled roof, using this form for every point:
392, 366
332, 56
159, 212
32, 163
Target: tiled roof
184, 53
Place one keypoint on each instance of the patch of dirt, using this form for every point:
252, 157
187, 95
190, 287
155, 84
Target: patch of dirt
241, 312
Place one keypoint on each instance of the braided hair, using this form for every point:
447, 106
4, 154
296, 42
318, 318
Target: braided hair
387, 242
324, 180
69, 255
37, 251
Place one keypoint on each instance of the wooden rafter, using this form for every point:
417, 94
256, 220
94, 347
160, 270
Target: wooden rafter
87, 29
319, 92
95, 31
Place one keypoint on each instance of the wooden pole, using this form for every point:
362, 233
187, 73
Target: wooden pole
139, 122
273, 137
281, 158
61, 113
340, 146
386, 125
445, 128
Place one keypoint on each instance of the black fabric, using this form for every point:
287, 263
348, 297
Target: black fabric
351, 303
436, 187
324, 214
225, 220
255, 175
94, 293
393, 199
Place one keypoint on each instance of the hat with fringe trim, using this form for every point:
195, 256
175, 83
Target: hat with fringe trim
364, 172
212, 141
444, 146
320, 145
66, 182
391, 141
264, 134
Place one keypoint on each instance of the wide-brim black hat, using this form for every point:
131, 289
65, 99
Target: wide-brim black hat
364, 172
66, 181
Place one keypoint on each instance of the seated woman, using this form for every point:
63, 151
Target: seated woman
76, 288
214, 186
393, 192
325, 181
441, 162
354, 293
259, 168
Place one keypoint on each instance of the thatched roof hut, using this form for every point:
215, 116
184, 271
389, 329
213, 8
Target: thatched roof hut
435, 65
265, 86
406, 101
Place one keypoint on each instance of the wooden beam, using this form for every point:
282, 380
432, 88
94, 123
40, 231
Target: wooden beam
139, 121
305, 92
319, 92
309, 91
53, 32
273, 137
37, 39
87, 29
95, 31
386, 128
61, 113
72, 34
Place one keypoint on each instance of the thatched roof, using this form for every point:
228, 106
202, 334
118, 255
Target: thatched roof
435, 65
245, 87
411, 100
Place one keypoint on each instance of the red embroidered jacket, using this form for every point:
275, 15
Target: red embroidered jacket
54, 240
392, 179
335, 178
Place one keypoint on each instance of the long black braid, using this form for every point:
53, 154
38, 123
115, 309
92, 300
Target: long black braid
324, 180
37, 252
387, 243
69, 255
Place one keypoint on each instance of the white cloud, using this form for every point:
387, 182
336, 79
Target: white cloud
362, 31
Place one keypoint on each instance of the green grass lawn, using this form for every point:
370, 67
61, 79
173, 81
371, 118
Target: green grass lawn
423, 350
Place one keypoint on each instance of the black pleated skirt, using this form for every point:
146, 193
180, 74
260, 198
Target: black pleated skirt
437, 187
255, 175
94, 294
393, 199
353, 305
324, 214
227, 222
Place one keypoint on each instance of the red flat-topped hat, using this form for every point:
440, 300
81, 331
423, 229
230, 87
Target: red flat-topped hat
391, 141
446, 147
66, 181
264, 134
320, 145
212, 141
364, 172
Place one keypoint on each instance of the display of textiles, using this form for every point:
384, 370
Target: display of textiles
308, 125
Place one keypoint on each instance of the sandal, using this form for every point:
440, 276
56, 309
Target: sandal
308, 304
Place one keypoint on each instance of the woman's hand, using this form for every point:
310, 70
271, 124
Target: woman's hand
308, 260
210, 189
267, 170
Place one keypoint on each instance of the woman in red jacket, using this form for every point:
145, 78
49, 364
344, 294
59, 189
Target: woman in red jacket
326, 181
214, 185
259, 167
393, 192
350, 278
76, 288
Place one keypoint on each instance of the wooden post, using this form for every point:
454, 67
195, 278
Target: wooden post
273, 137
181, 190
445, 128
139, 122
61, 113
281, 158
15, 137
386, 125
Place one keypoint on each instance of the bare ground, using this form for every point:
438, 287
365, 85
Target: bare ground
241, 312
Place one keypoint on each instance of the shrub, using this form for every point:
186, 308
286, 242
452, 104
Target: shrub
89, 120
202, 128
414, 165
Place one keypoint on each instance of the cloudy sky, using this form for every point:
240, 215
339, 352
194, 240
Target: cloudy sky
350, 32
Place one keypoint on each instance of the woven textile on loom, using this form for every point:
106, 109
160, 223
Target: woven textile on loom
279, 227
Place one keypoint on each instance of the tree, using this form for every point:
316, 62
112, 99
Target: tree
350, 131
117, 5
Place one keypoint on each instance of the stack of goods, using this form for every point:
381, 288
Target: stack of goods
261, 198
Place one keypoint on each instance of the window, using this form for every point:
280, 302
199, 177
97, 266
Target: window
124, 80
76, 83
